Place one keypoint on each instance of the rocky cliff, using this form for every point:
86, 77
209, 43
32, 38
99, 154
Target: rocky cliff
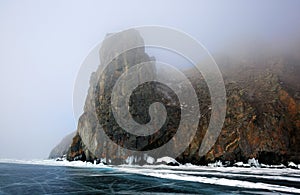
63, 147
90, 141
262, 118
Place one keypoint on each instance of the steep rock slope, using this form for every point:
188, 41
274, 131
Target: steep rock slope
90, 141
63, 147
262, 116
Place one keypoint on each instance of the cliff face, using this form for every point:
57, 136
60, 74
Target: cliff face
97, 111
63, 147
262, 118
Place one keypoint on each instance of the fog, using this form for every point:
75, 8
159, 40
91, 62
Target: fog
43, 44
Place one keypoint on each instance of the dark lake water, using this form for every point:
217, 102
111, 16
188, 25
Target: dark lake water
45, 179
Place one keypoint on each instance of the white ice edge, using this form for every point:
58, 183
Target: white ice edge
224, 173
55, 163
227, 182
184, 176
188, 167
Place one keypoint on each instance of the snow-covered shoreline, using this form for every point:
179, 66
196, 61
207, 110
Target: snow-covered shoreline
252, 163
52, 162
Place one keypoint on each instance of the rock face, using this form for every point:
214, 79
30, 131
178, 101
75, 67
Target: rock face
63, 147
97, 111
78, 151
262, 118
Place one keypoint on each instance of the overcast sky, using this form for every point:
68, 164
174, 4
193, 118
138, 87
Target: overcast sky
43, 43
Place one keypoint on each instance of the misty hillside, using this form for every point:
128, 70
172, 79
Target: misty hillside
263, 109
262, 117
63, 146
